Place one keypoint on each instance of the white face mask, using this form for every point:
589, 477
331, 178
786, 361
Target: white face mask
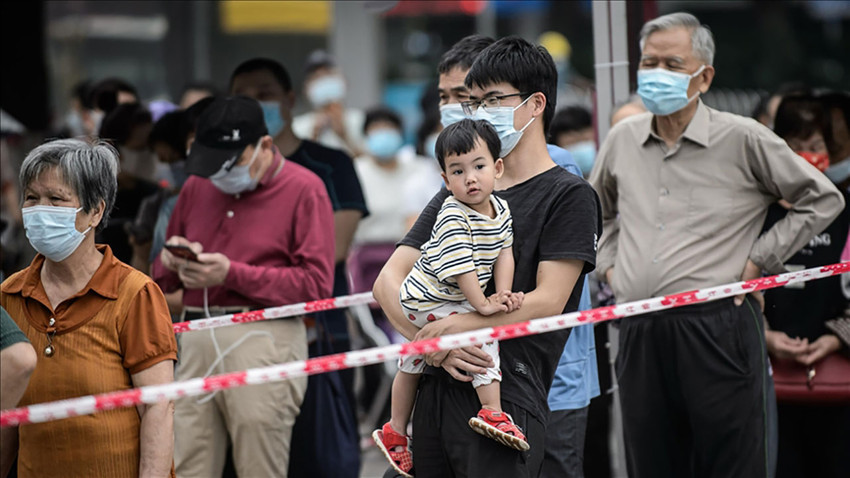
502, 118
52, 230
238, 178
328, 89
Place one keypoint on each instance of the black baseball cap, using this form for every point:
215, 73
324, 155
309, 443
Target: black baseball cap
225, 128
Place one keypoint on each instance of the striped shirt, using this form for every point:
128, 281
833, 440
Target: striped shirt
462, 241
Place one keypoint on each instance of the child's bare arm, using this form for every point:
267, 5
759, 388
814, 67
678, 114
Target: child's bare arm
468, 284
503, 270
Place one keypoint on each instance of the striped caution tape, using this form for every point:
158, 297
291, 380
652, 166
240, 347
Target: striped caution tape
151, 394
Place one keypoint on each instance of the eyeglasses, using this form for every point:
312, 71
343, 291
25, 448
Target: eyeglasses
470, 107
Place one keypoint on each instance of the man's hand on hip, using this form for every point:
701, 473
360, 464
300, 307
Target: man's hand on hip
751, 271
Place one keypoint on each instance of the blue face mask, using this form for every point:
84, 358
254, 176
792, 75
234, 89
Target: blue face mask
274, 121
52, 230
178, 174
451, 114
502, 119
839, 172
430, 146
665, 92
584, 153
384, 144
328, 89
238, 179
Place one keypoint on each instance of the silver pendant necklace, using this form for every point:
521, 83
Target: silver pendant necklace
50, 350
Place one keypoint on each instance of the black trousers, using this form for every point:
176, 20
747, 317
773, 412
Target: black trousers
814, 440
692, 392
444, 446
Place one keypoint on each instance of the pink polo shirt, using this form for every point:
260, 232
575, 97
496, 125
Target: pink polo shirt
279, 238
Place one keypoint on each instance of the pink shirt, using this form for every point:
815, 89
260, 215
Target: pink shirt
279, 238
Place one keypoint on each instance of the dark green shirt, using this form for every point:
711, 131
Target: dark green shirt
10, 334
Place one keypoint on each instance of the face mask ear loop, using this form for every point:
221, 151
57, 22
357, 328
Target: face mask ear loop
90, 226
696, 73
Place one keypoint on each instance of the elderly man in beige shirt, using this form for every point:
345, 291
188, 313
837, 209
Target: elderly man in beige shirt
684, 192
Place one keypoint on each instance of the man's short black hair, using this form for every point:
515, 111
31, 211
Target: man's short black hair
104, 95
381, 113
194, 112
799, 117
463, 53
255, 64
82, 93
207, 86
118, 124
173, 130
460, 138
571, 118
526, 67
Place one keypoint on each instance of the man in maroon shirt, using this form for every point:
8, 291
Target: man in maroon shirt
260, 230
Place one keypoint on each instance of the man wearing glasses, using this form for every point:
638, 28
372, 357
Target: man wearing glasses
556, 225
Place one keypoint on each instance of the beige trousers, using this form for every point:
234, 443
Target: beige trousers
257, 419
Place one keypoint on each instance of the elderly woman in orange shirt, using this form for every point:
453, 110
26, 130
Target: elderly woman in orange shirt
97, 325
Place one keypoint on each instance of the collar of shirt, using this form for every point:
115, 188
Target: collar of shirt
697, 130
277, 163
104, 282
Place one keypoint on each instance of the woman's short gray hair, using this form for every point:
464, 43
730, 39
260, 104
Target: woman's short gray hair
702, 41
91, 169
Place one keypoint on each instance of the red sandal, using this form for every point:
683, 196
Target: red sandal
500, 427
396, 448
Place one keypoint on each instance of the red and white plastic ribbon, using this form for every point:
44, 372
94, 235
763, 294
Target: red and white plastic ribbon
151, 394
274, 312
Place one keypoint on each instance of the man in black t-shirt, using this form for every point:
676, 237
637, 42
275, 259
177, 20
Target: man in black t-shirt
556, 224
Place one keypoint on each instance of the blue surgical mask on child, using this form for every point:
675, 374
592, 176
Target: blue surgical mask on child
238, 179
665, 92
271, 114
52, 230
384, 144
502, 119
584, 153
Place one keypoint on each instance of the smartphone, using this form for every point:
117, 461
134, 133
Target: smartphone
183, 252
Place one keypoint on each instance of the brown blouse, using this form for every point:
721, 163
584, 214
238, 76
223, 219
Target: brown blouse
118, 325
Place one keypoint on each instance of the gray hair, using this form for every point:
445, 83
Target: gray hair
91, 169
702, 41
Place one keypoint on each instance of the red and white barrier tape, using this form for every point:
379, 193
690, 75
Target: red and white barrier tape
274, 312
151, 394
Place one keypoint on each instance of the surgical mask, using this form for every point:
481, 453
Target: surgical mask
502, 119
839, 172
178, 174
584, 153
97, 119
451, 114
238, 179
74, 123
52, 230
384, 144
139, 163
271, 114
430, 146
665, 92
327, 89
